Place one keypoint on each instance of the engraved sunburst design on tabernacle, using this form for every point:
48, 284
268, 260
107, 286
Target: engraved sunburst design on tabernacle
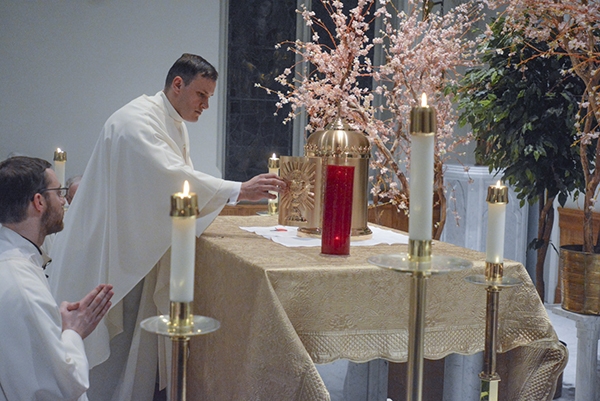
299, 198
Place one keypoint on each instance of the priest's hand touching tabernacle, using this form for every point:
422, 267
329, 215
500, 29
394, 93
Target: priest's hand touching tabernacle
260, 186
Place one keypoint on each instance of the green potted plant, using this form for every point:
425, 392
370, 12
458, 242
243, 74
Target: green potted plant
524, 122
571, 29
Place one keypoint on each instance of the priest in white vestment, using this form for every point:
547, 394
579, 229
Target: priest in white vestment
119, 225
42, 356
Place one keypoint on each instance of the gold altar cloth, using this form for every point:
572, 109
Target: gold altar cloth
284, 309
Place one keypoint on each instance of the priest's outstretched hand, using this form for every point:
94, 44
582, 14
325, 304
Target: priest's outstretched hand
84, 316
258, 187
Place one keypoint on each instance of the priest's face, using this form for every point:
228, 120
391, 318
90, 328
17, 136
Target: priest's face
52, 218
191, 100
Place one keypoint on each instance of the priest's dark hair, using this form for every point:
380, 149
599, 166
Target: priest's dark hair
21, 177
188, 66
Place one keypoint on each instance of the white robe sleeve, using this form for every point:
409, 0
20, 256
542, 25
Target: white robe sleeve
39, 361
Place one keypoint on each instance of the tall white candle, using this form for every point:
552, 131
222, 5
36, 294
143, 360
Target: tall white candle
497, 199
60, 161
420, 222
184, 210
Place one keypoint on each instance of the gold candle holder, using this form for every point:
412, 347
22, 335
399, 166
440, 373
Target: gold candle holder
60, 155
184, 205
273, 204
497, 194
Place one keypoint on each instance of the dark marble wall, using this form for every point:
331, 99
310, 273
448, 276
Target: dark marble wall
254, 133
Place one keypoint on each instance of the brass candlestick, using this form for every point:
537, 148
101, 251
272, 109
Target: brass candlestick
494, 281
273, 203
420, 262
180, 325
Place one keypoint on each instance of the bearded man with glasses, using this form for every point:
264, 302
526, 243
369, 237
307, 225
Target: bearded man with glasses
42, 352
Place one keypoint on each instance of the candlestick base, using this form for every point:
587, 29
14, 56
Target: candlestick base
489, 388
439, 264
502, 282
179, 326
198, 325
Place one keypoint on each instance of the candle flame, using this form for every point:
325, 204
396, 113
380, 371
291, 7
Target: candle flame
499, 184
274, 157
424, 100
58, 150
186, 188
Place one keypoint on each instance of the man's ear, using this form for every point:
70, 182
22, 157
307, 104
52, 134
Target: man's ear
177, 85
39, 203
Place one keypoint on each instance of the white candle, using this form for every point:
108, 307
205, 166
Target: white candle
60, 161
273, 204
184, 211
497, 199
273, 168
420, 222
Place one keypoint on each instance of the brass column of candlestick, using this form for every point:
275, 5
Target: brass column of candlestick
494, 281
419, 254
179, 326
421, 264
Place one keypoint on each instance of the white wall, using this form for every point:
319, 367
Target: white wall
66, 66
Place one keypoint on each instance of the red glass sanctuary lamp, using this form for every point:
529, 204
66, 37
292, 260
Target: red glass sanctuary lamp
337, 210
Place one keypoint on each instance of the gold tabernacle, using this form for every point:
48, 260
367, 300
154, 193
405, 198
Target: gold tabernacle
340, 145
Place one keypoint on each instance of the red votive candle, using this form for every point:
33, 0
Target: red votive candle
337, 210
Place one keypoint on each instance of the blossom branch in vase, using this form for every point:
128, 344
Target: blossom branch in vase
421, 56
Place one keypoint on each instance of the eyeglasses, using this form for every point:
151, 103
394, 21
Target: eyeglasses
62, 192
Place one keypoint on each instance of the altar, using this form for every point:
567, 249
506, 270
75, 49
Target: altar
283, 310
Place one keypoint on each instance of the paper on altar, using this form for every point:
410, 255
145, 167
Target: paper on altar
288, 236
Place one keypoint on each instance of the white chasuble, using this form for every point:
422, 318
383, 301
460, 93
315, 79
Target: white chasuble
118, 226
